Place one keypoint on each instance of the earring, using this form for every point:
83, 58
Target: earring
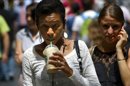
65, 35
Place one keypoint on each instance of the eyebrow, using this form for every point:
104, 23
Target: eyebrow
117, 23
47, 24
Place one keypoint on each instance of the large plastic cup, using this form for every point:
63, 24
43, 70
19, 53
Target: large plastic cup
48, 52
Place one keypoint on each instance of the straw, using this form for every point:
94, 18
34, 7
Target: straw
51, 38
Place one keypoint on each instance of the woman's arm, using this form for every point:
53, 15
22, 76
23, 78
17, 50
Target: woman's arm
123, 64
123, 67
4, 29
128, 60
18, 51
6, 43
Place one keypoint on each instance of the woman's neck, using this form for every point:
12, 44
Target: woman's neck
106, 47
34, 33
60, 42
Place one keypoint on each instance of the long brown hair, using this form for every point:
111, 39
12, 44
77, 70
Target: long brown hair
112, 10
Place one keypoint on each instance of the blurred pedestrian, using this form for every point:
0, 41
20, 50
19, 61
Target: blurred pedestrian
20, 9
4, 46
26, 37
9, 17
94, 34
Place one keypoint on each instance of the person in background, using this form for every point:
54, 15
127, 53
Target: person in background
10, 18
70, 18
26, 37
20, 9
94, 33
4, 46
68, 3
109, 57
50, 21
81, 22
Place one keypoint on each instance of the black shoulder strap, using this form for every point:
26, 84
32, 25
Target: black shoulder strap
78, 54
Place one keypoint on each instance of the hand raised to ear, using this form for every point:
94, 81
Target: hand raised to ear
122, 38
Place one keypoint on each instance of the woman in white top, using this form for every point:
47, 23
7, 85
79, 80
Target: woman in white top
50, 20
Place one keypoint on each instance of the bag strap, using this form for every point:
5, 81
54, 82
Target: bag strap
78, 54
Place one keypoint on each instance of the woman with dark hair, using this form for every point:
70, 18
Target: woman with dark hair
50, 20
112, 65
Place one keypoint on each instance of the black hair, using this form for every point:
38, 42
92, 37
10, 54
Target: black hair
87, 4
46, 7
33, 14
112, 10
32, 7
2, 4
75, 7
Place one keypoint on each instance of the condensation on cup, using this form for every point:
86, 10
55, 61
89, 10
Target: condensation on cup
48, 52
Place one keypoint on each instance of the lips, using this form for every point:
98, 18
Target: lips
111, 36
50, 40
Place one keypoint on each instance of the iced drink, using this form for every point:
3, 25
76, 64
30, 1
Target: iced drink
48, 52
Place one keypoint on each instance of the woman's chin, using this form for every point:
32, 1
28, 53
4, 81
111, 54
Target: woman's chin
113, 41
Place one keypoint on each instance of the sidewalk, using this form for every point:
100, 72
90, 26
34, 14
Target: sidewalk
11, 82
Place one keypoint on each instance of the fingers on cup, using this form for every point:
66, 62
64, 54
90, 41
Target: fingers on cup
56, 63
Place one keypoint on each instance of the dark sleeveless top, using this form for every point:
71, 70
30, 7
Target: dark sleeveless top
106, 67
